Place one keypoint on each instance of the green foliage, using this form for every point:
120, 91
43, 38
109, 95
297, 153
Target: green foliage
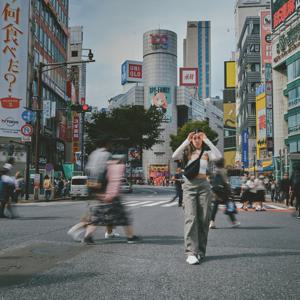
183, 132
127, 126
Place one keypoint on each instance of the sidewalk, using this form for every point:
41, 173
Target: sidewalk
42, 199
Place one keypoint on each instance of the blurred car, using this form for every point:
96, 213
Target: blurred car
235, 184
79, 187
125, 186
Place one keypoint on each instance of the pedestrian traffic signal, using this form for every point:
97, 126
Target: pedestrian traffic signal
86, 108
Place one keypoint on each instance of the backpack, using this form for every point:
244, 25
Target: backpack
96, 170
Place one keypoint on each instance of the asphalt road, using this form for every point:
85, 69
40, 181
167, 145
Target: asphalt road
259, 260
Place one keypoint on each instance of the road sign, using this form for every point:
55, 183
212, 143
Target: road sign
27, 130
49, 167
28, 115
26, 138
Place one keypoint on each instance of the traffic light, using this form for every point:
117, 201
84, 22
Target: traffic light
86, 108
76, 107
81, 108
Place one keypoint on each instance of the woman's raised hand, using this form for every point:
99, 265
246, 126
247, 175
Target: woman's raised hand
190, 136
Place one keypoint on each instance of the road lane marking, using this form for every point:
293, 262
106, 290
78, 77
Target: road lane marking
155, 203
139, 203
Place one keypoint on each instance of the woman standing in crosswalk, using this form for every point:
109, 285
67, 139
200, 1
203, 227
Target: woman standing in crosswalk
196, 194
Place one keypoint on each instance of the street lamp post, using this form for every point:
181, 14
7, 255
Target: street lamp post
39, 107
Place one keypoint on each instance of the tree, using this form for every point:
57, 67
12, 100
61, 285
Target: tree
128, 126
183, 132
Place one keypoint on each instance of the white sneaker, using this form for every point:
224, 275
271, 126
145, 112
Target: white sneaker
212, 225
114, 234
192, 260
236, 224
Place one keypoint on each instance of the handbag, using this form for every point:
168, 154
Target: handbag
192, 170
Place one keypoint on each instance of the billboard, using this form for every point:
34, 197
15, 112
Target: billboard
160, 97
265, 41
261, 120
229, 74
188, 76
14, 27
131, 71
245, 148
282, 10
229, 126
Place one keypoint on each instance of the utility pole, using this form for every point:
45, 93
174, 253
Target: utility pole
39, 106
82, 140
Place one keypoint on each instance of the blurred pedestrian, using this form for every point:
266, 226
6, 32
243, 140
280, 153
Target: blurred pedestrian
285, 189
245, 191
109, 210
178, 186
8, 187
260, 193
47, 185
252, 192
223, 195
19, 186
295, 181
197, 193
273, 190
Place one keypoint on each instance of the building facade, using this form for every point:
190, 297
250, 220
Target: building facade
50, 45
247, 56
248, 69
286, 87
197, 54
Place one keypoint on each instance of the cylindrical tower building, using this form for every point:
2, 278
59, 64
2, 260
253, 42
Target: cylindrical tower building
160, 81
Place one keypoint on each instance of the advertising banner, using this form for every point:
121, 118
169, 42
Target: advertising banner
282, 10
160, 97
76, 128
265, 43
14, 24
229, 126
229, 74
47, 109
269, 120
131, 71
245, 148
261, 122
188, 76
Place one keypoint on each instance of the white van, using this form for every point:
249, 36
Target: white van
79, 187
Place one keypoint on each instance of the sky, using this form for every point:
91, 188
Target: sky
114, 29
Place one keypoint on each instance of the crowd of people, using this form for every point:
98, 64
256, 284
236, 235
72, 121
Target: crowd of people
199, 194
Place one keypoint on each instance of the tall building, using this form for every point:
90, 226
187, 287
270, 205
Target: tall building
248, 76
50, 46
160, 81
286, 85
197, 54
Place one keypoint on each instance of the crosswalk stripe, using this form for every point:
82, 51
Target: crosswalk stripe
130, 202
139, 203
155, 203
169, 204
